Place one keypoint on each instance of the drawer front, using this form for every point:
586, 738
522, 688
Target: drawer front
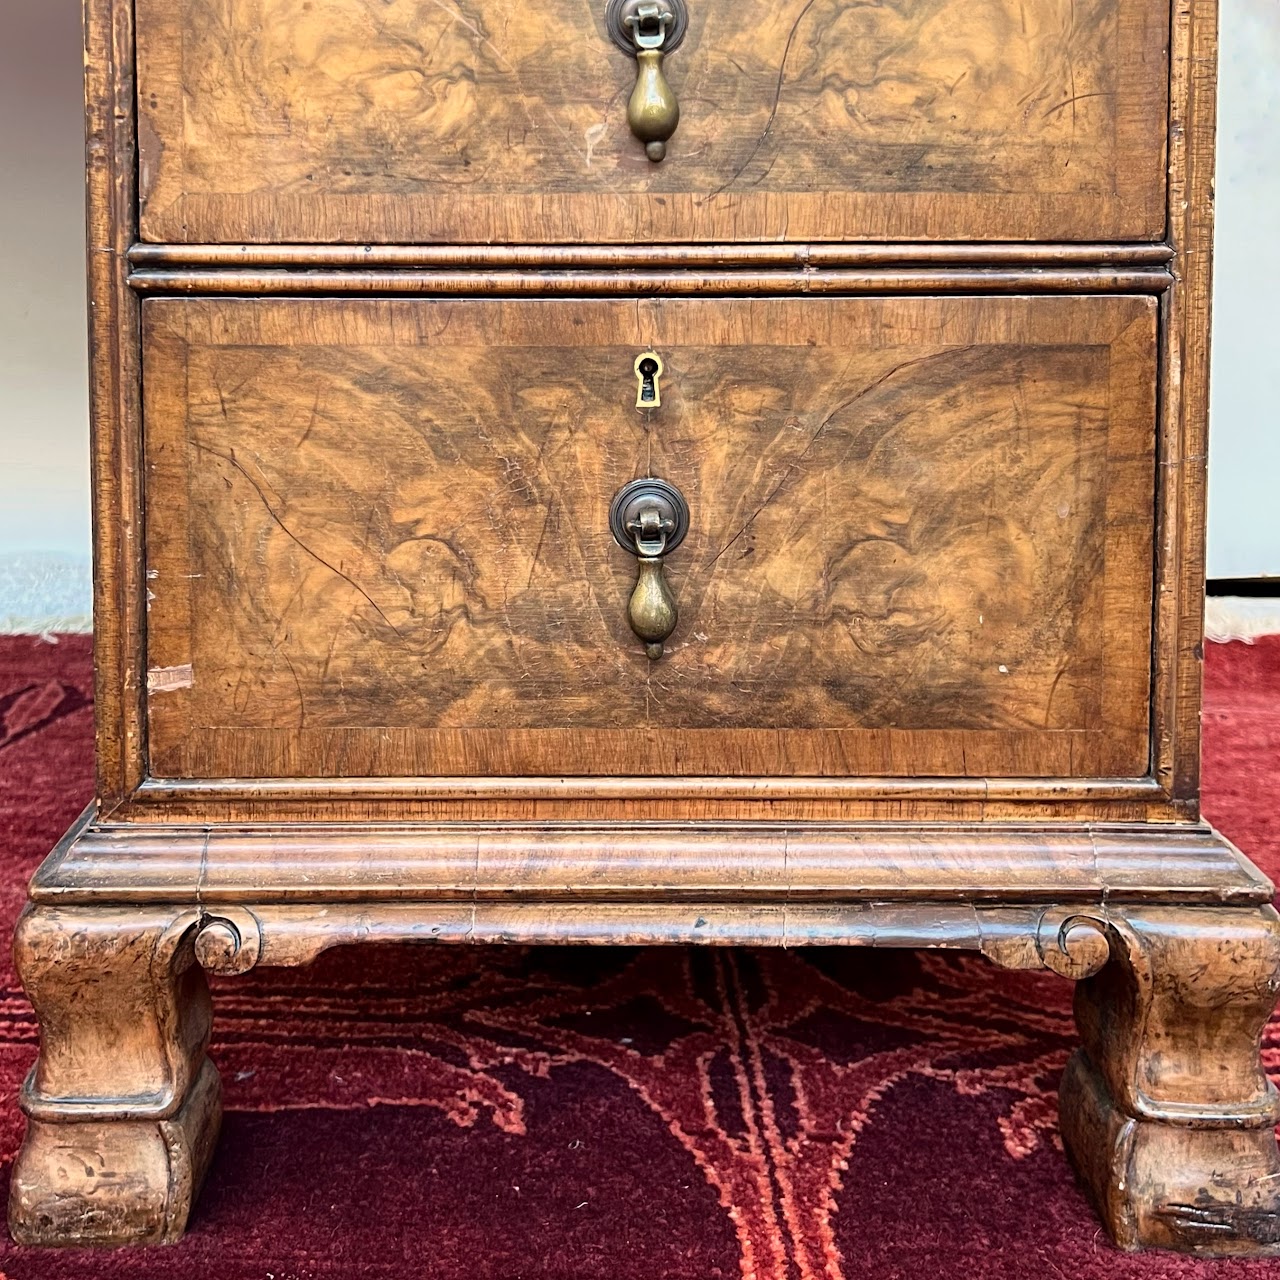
502, 121
920, 539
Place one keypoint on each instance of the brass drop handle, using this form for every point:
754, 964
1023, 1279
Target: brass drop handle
649, 30
649, 518
652, 609
652, 111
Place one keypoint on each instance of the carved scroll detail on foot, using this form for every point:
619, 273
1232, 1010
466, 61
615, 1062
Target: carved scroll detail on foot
229, 941
1073, 945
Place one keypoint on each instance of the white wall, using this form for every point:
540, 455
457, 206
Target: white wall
1244, 424
44, 504
44, 468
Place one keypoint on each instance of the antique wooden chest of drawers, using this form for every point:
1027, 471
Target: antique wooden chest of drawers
627, 470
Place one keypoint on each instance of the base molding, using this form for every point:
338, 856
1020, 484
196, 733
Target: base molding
1168, 932
666, 875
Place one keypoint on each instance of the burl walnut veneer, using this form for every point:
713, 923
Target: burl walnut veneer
723, 472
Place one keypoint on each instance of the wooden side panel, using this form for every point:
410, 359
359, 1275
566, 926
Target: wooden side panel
478, 121
1185, 404
921, 543
115, 402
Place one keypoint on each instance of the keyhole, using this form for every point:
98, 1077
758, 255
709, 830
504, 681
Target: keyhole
648, 372
648, 388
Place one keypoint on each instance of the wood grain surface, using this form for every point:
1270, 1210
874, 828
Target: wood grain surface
485, 120
377, 537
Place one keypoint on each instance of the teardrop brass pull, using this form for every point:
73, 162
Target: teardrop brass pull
652, 612
649, 518
649, 30
653, 111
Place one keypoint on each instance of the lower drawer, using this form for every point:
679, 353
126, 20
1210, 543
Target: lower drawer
920, 536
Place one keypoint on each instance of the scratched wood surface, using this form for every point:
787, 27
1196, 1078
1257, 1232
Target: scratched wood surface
490, 120
377, 536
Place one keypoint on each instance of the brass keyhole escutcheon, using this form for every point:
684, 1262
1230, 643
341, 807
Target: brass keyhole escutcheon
649, 30
649, 518
648, 369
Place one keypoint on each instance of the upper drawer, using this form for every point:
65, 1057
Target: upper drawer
419, 121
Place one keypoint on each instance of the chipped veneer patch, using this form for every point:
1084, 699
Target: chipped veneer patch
166, 679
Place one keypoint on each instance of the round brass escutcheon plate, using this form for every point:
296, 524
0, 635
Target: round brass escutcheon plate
618, 11
648, 491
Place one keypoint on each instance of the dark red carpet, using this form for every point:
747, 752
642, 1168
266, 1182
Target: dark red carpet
550, 1114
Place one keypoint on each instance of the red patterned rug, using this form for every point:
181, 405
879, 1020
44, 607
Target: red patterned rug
557, 1114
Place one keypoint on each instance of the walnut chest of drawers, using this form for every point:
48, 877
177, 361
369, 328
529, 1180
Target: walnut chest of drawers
602, 471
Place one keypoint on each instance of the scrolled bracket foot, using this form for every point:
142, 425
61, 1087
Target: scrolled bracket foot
1166, 1112
123, 1104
